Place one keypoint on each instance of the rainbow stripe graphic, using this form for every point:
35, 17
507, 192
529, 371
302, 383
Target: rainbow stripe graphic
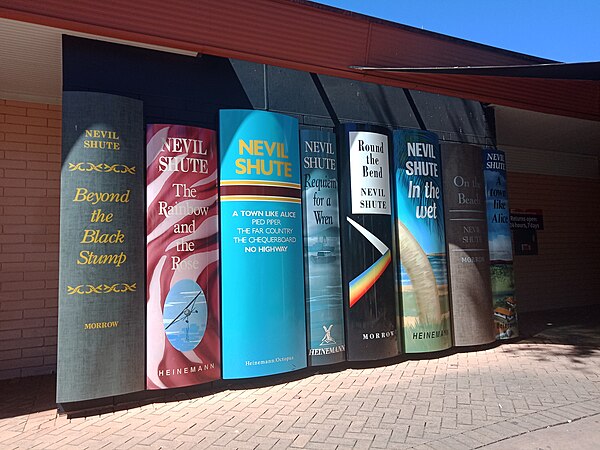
362, 283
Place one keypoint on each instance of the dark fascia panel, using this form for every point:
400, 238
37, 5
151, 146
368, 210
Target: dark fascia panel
558, 71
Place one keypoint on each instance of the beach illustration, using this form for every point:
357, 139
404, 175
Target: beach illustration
421, 240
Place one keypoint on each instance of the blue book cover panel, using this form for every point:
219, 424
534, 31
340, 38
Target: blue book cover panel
322, 255
263, 307
421, 241
500, 242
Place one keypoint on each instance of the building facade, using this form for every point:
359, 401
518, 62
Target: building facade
261, 56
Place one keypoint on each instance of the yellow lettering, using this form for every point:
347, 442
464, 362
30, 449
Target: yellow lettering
262, 167
87, 257
88, 237
241, 168
80, 195
243, 146
98, 325
270, 148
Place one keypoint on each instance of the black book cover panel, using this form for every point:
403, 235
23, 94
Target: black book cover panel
370, 296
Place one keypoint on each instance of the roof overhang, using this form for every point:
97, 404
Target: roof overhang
547, 144
325, 41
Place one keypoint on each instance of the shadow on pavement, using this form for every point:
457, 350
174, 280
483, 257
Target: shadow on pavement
22, 396
575, 333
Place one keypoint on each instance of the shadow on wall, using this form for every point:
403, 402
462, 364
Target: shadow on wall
174, 88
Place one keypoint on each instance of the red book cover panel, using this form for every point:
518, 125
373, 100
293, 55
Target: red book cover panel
182, 316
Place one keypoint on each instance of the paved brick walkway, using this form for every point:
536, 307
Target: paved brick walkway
462, 400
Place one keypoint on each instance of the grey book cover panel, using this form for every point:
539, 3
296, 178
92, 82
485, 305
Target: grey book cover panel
466, 237
101, 277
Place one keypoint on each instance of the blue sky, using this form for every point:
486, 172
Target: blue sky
562, 30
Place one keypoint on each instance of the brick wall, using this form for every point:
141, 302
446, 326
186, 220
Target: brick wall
566, 271
29, 226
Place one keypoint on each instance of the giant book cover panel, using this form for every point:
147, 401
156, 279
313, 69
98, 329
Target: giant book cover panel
322, 252
101, 276
263, 306
370, 295
466, 234
183, 315
500, 244
420, 232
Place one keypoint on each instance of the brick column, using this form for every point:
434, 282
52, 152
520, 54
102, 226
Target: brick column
30, 142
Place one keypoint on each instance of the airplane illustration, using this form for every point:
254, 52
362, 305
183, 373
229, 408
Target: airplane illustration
185, 316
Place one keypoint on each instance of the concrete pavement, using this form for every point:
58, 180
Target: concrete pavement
542, 392
580, 434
